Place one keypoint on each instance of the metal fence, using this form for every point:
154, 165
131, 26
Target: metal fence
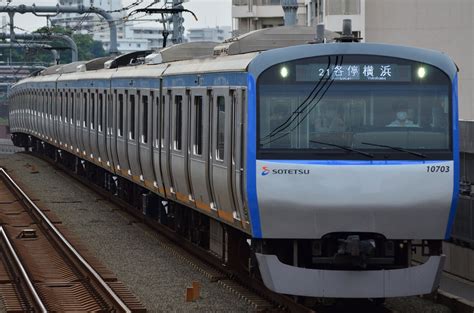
463, 228
7, 147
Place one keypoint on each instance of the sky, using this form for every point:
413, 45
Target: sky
210, 13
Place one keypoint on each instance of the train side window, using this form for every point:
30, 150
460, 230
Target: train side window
85, 120
145, 119
178, 101
120, 115
66, 113
71, 111
100, 112
49, 97
162, 121
132, 117
158, 120
78, 109
60, 107
110, 117
198, 125
220, 128
92, 110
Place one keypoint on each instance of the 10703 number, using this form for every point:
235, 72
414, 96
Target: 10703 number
438, 169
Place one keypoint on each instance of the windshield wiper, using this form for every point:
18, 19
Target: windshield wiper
421, 155
370, 155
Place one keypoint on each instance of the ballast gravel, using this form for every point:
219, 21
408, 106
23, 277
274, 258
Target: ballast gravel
133, 252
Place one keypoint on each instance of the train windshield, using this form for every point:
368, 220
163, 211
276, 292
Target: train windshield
354, 107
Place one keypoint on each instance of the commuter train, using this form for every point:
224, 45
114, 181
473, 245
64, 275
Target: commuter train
328, 163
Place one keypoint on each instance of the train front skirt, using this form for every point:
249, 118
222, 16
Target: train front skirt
416, 280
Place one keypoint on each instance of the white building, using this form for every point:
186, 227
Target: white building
217, 34
249, 15
153, 35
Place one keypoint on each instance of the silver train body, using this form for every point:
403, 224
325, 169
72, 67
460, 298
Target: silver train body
330, 211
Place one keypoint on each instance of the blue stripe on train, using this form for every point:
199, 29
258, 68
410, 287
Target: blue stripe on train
252, 158
454, 201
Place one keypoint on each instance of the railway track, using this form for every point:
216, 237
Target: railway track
42, 271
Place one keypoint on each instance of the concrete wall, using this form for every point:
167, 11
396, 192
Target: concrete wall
447, 26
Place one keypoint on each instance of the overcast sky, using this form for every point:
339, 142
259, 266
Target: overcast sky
209, 12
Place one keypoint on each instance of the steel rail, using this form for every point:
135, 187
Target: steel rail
23, 272
83, 262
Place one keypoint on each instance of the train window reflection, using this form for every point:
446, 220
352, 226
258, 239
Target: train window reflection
144, 119
178, 101
86, 117
220, 128
132, 117
120, 115
198, 125
100, 112
92, 110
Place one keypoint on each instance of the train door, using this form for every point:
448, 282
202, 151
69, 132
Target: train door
101, 132
68, 119
80, 102
56, 115
47, 115
166, 145
238, 98
49, 120
122, 132
86, 113
133, 134
94, 124
221, 154
63, 118
179, 145
158, 123
61, 102
199, 148
72, 132
145, 111
112, 130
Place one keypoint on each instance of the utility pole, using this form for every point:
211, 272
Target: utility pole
290, 7
177, 20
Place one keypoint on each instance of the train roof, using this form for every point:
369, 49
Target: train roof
253, 52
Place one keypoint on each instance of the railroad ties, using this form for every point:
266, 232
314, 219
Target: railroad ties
41, 271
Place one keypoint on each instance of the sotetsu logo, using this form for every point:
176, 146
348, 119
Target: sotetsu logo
283, 171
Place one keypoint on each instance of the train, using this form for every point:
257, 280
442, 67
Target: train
319, 167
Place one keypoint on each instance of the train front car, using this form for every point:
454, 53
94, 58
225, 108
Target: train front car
352, 159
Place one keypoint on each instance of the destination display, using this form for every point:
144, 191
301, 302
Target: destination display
354, 72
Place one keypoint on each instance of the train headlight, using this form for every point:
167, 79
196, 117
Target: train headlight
421, 72
284, 72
